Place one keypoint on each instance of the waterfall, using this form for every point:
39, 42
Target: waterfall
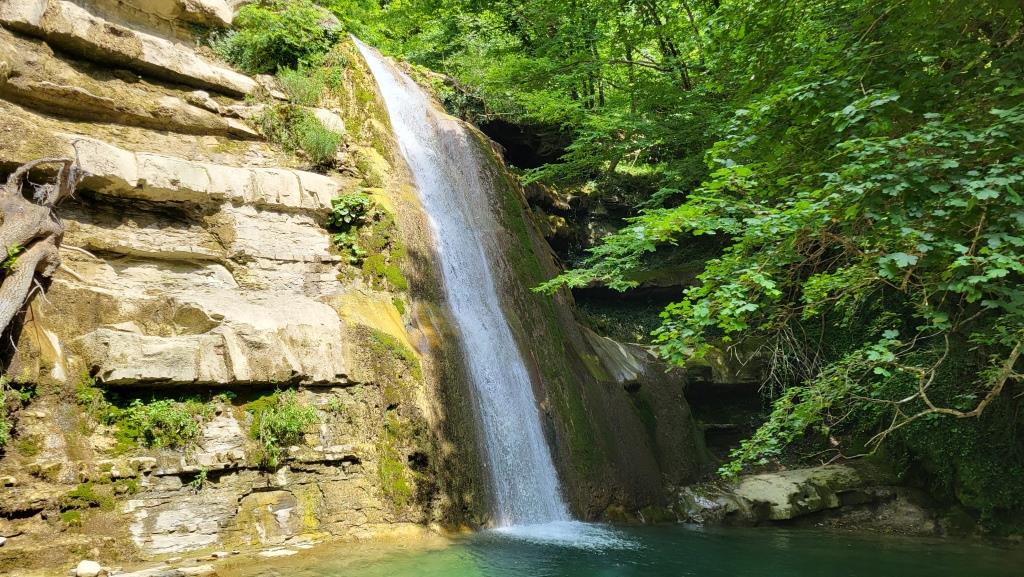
449, 170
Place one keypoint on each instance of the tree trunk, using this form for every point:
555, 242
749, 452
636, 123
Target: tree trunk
30, 232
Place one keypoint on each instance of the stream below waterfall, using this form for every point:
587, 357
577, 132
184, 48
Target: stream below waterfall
661, 551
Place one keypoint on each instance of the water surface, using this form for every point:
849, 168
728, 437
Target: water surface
664, 551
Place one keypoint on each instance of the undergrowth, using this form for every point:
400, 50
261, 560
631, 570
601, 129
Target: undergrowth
279, 420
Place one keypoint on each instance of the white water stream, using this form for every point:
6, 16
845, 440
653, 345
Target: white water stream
449, 174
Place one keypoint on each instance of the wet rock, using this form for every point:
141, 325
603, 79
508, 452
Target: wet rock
277, 553
782, 496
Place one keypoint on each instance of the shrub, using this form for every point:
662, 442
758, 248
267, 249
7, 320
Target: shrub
156, 424
298, 129
275, 34
301, 86
161, 423
318, 142
279, 420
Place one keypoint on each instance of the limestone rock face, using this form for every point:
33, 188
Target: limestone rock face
73, 28
196, 264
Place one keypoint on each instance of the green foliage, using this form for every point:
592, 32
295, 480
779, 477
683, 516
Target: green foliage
274, 34
337, 407
296, 129
348, 213
11, 259
199, 481
12, 399
316, 140
349, 210
159, 423
862, 168
367, 236
348, 244
278, 421
302, 86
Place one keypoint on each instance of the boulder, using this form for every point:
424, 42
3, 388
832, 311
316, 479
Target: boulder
784, 495
87, 568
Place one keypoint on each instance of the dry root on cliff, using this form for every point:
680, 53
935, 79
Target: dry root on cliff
30, 231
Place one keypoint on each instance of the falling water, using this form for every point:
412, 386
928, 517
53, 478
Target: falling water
448, 169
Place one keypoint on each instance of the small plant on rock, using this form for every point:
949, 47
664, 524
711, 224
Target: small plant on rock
199, 481
161, 423
349, 210
279, 420
298, 129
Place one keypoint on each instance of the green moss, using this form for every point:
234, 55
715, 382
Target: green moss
125, 486
385, 344
71, 518
399, 305
29, 446
86, 496
382, 274
393, 473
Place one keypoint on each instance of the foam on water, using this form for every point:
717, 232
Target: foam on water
569, 534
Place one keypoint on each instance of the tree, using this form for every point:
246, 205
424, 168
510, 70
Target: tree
31, 231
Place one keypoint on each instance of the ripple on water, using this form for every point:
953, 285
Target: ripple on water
573, 534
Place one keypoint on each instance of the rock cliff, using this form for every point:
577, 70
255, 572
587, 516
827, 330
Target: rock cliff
200, 278
198, 267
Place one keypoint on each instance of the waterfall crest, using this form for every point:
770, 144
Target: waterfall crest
449, 173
